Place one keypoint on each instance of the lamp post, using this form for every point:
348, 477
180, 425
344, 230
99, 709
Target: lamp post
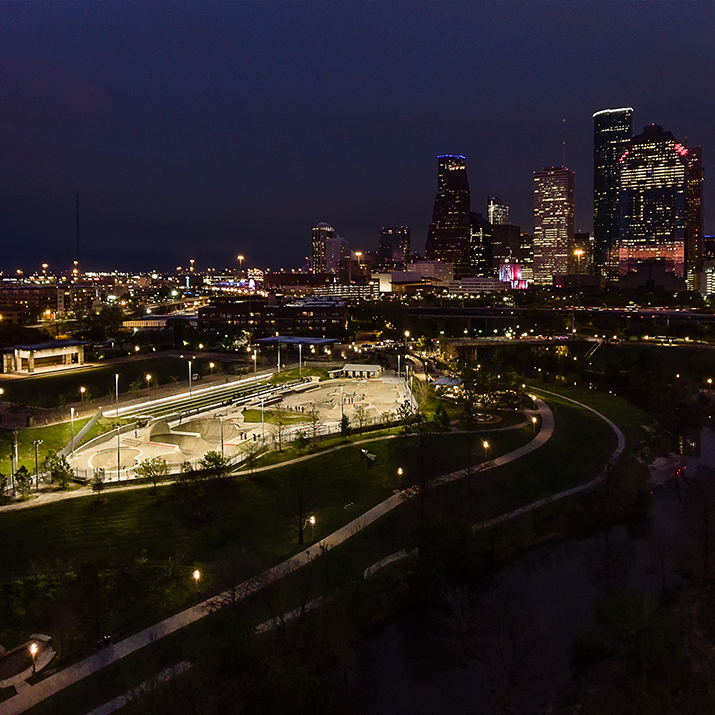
342, 404
300, 359
148, 380
33, 652
311, 521
190, 376
533, 424
82, 390
398, 366
485, 444
255, 363
240, 260
119, 455
37, 443
116, 394
72, 429
196, 576
221, 418
263, 424
211, 367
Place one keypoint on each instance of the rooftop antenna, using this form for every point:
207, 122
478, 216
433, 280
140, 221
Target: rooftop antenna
563, 143
76, 262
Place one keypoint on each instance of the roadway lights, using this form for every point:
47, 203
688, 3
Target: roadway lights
533, 422
33, 652
82, 390
196, 576
311, 521
148, 380
486, 445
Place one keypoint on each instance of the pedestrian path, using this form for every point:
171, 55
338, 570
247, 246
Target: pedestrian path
27, 698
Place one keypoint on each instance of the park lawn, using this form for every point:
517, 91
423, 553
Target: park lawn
295, 374
271, 418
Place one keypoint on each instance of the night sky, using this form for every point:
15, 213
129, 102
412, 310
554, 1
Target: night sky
204, 130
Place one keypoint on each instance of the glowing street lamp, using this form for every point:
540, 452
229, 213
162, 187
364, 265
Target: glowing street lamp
148, 380
37, 443
211, 367
255, 362
486, 446
311, 521
240, 260
533, 423
72, 429
82, 390
33, 652
196, 576
190, 376
116, 393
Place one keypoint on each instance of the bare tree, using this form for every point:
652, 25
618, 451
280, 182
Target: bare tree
315, 422
360, 413
280, 426
301, 499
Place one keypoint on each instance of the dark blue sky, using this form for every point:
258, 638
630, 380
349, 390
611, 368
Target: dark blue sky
204, 130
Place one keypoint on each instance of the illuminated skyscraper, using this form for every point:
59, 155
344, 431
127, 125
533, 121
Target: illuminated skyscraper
321, 233
393, 248
653, 202
553, 222
612, 130
694, 248
497, 211
448, 239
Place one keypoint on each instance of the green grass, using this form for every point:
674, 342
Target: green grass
271, 418
295, 374
55, 390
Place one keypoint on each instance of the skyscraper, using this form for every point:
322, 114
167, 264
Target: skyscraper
553, 222
393, 247
612, 130
448, 238
321, 233
694, 248
497, 211
653, 202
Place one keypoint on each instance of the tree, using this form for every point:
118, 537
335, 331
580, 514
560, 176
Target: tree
152, 468
280, 426
315, 422
213, 463
301, 501
345, 429
4, 481
441, 418
97, 483
300, 441
251, 449
59, 469
361, 416
23, 481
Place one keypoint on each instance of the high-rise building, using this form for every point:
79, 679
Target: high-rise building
497, 211
321, 233
480, 245
526, 256
448, 238
582, 263
393, 247
612, 130
553, 222
337, 249
506, 243
653, 203
694, 248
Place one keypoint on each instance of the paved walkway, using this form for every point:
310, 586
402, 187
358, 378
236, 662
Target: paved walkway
29, 697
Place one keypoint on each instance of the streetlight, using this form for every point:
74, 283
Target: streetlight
221, 419
148, 380
398, 366
82, 390
263, 424
255, 362
119, 456
72, 429
33, 652
116, 393
311, 521
533, 422
485, 444
190, 376
240, 262
196, 576
342, 404
211, 367
300, 359
37, 443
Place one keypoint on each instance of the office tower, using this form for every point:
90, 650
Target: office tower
506, 242
582, 263
694, 220
480, 245
321, 233
337, 249
448, 238
612, 130
393, 247
553, 222
497, 211
653, 203
709, 248
526, 256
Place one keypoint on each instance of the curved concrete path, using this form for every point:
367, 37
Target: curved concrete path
28, 697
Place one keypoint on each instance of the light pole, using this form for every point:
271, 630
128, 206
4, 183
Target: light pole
255, 362
33, 653
221, 418
263, 424
485, 444
279, 357
190, 376
148, 380
342, 404
211, 367
119, 455
37, 443
116, 393
72, 429
533, 423
300, 359
82, 390
398, 366
240, 260
311, 521
196, 576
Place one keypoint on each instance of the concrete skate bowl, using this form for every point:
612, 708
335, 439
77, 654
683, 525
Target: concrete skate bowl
107, 459
195, 437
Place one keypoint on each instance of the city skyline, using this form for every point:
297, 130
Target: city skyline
207, 132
